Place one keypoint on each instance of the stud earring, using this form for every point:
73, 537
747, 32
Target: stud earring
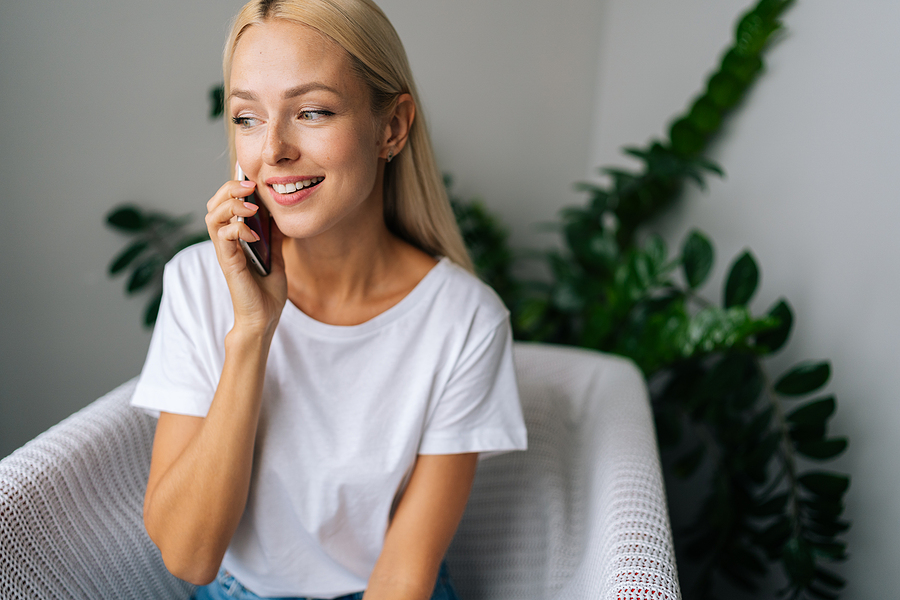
390, 156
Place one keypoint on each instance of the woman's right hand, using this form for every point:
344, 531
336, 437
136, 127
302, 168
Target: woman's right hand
258, 301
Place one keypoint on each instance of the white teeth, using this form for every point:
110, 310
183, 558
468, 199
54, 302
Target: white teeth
290, 188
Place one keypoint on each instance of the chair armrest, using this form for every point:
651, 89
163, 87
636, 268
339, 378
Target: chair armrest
582, 513
71, 501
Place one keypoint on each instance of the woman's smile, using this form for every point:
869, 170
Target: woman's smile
288, 191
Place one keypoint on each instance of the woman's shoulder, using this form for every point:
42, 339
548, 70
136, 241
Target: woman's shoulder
195, 270
462, 291
195, 256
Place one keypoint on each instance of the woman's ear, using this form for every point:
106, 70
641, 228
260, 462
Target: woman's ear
396, 130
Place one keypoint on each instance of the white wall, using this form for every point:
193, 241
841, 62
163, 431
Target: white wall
812, 189
106, 102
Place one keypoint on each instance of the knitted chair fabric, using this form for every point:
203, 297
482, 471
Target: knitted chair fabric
71, 505
581, 514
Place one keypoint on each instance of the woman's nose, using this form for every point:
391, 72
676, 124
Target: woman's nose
280, 146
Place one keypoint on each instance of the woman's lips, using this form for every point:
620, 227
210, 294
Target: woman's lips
303, 188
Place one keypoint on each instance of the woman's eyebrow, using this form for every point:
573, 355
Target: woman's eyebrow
313, 86
293, 92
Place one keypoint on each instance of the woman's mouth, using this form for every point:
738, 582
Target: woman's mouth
291, 193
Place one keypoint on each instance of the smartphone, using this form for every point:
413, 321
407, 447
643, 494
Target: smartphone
258, 253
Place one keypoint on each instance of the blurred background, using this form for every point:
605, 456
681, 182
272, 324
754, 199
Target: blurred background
106, 102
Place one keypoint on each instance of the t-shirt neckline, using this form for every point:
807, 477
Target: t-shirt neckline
422, 289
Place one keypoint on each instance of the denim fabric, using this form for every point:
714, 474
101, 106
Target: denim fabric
226, 587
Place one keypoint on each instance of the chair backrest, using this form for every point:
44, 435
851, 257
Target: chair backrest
581, 514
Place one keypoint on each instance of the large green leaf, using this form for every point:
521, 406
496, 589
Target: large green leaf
127, 218
216, 101
697, 259
831, 485
705, 116
741, 67
814, 413
742, 281
823, 508
829, 578
774, 339
824, 449
144, 273
827, 527
804, 379
831, 550
125, 258
714, 328
808, 433
686, 139
725, 90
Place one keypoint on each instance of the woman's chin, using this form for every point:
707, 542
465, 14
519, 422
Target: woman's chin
300, 227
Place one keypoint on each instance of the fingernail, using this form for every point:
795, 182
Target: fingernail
248, 183
256, 235
250, 205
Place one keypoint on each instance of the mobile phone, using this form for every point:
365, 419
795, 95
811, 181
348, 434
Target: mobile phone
258, 253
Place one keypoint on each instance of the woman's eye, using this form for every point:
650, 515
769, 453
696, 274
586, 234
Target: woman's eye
244, 122
314, 115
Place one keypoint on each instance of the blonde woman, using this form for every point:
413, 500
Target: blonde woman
319, 427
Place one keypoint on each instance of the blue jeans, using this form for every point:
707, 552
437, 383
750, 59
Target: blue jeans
226, 587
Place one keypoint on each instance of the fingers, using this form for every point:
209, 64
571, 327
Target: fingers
222, 223
231, 189
223, 208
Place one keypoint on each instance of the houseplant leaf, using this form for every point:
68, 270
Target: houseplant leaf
804, 379
697, 259
742, 281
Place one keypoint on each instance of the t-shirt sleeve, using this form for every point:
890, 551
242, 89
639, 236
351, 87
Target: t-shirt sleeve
182, 368
479, 409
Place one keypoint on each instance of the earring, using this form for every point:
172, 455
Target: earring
390, 156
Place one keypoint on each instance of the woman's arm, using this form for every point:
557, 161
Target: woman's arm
200, 469
422, 528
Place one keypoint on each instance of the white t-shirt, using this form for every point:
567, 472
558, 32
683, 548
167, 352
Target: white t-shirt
345, 412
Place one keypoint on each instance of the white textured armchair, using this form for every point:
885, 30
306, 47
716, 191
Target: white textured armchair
580, 515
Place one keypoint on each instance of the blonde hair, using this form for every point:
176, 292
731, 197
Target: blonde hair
416, 207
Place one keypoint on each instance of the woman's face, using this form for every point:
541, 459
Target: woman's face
304, 128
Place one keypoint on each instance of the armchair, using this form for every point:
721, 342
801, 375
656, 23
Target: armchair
581, 514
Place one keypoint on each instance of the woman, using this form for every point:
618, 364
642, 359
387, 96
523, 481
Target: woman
319, 427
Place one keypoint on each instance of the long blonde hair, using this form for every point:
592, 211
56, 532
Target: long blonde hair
416, 207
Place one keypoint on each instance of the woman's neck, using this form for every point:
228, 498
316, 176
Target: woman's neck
343, 279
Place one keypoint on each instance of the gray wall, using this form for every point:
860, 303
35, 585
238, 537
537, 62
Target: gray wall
107, 103
812, 189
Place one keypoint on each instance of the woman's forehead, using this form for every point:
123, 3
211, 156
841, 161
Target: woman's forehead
290, 52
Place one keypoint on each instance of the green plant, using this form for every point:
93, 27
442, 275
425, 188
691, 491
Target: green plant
156, 238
